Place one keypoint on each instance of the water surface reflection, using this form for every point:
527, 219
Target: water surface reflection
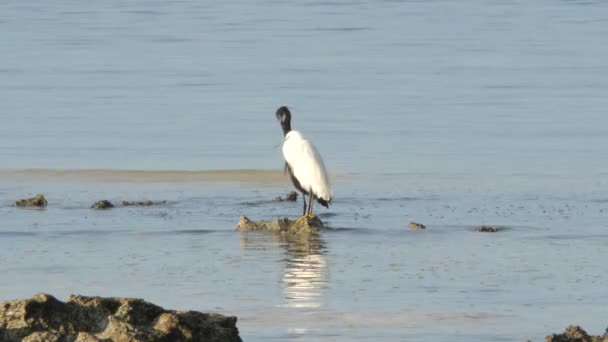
305, 271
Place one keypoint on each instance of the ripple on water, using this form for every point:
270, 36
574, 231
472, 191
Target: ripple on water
89, 232
10, 234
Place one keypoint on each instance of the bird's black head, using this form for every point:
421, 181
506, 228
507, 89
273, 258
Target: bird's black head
284, 117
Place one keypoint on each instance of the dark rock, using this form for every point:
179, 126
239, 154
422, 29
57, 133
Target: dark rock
574, 333
38, 201
142, 203
415, 226
486, 229
84, 319
103, 204
290, 197
304, 224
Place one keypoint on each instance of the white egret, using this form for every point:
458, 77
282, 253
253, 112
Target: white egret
304, 164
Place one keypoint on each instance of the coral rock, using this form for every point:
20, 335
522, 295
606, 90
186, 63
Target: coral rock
486, 229
103, 204
415, 226
38, 201
574, 333
290, 197
94, 319
142, 203
304, 224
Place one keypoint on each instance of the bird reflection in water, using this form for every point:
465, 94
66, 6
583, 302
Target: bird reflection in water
305, 272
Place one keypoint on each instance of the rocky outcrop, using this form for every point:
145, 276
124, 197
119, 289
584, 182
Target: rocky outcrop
290, 197
304, 224
37, 201
486, 229
416, 226
96, 319
142, 203
103, 204
574, 333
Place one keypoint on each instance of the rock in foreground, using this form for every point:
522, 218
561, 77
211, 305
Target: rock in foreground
103, 204
38, 201
95, 319
574, 333
304, 224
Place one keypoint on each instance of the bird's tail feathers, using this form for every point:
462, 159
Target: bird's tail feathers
324, 202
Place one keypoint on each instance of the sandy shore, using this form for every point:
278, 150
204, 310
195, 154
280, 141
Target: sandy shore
170, 176
107, 175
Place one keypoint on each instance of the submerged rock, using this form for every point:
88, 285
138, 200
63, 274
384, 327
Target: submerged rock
38, 201
142, 203
486, 229
103, 204
415, 226
83, 319
304, 224
290, 197
574, 333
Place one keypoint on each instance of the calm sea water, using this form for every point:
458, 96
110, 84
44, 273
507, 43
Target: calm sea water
448, 113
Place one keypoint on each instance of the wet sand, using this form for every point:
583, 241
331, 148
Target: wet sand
155, 176
169, 176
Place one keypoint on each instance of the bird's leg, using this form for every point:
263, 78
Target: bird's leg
310, 198
286, 169
304, 201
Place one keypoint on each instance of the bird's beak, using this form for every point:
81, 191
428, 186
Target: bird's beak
284, 124
281, 118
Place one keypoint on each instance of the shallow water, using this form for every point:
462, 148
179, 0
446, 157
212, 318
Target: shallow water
449, 114
367, 277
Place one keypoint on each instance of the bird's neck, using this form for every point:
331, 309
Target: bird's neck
286, 128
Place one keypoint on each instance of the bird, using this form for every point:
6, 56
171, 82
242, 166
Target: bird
304, 164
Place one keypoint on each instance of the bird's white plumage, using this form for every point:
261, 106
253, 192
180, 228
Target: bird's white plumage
307, 165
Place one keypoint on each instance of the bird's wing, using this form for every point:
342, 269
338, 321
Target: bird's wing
307, 166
